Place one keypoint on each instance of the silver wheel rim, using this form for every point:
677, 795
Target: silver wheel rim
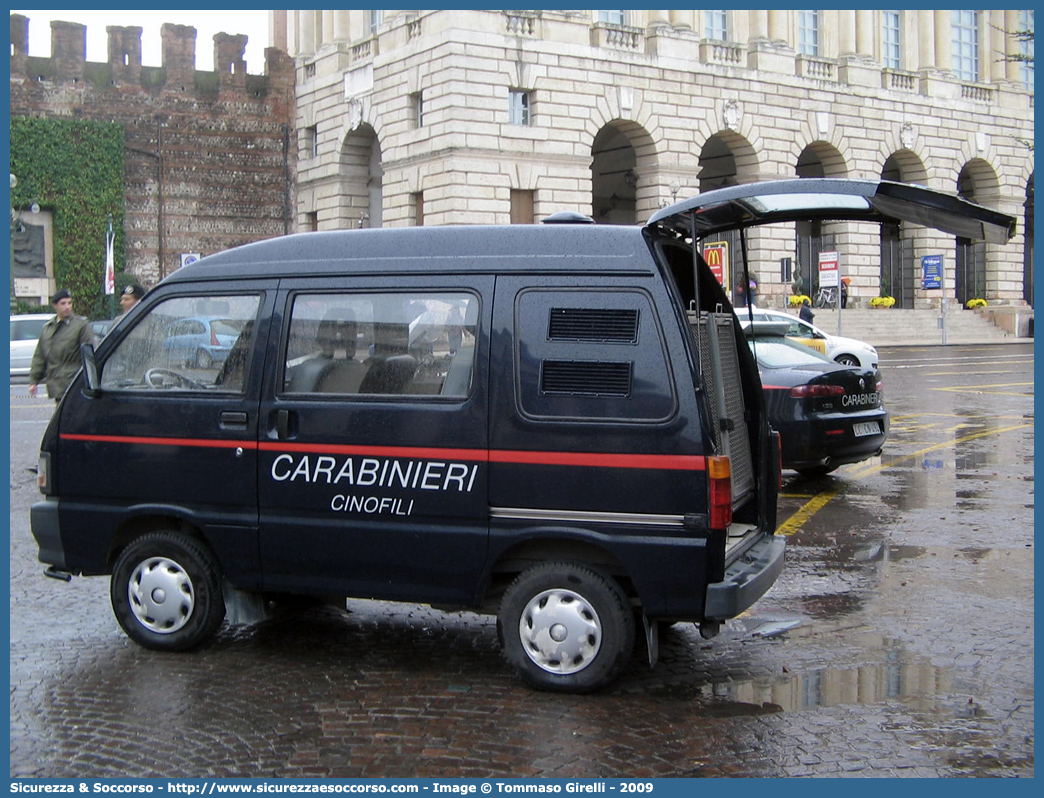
560, 631
161, 595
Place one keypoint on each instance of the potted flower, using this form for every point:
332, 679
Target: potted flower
797, 300
882, 301
972, 304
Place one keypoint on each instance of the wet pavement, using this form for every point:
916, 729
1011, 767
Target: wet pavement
897, 642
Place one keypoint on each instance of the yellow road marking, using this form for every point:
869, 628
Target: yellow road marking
818, 502
962, 373
979, 389
807, 510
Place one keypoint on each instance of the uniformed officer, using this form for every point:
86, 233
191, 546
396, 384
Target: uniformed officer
57, 356
129, 297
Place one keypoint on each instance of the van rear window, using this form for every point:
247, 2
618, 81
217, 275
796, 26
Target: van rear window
392, 344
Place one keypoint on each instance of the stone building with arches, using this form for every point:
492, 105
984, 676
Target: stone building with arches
439, 117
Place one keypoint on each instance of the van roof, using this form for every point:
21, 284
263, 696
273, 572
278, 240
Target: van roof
451, 248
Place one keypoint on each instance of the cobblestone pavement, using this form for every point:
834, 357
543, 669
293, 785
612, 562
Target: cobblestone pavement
898, 642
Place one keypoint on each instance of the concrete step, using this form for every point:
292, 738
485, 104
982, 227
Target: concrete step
898, 326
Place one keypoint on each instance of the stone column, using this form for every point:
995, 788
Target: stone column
306, 32
778, 27
658, 19
683, 19
1013, 69
342, 26
846, 34
325, 34
943, 40
759, 25
926, 40
866, 30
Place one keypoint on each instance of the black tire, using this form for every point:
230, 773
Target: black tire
166, 592
204, 359
847, 360
588, 610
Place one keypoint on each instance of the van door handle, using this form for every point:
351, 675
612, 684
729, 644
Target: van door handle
282, 424
233, 419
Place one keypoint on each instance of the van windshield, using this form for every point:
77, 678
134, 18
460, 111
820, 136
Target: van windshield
185, 343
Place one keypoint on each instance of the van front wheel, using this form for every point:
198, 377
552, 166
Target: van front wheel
166, 592
565, 627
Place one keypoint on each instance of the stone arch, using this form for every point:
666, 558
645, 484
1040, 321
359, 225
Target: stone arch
623, 163
898, 270
727, 159
904, 166
625, 109
818, 159
820, 139
360, 179
975, 267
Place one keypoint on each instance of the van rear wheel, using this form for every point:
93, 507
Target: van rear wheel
565, 627
166, 592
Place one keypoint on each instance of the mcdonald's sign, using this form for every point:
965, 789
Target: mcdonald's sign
716, 253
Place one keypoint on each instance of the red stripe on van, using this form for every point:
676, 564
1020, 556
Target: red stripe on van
673, 462
670, 462
207, 443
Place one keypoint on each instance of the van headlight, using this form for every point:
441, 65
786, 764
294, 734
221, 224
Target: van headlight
43, 474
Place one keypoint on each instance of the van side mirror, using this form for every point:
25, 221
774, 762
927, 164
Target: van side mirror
90, 370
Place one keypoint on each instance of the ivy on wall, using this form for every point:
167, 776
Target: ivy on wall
74, 168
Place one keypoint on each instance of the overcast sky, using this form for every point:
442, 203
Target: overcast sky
207, 23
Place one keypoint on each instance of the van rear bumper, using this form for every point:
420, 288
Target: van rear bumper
43, 517
746, 580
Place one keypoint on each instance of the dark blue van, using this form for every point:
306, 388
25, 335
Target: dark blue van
560, 424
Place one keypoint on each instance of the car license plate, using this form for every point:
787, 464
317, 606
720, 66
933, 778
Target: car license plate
865, 428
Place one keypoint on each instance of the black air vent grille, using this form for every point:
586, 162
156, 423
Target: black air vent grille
594, 324
586, 378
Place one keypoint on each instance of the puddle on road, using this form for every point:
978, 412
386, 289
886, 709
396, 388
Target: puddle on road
892, 674
878, 552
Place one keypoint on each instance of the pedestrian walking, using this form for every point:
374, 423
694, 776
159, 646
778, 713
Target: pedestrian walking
57, 356
806, 314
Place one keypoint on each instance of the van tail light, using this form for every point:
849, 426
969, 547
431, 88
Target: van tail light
719, 471
816, 391
213, 336
43, 474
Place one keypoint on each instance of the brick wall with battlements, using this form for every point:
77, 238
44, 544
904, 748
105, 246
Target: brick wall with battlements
210, 157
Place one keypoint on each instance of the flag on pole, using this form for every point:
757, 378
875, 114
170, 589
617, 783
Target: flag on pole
110, 263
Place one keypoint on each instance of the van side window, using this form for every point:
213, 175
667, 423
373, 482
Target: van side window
420, 344
186, 344
591, 354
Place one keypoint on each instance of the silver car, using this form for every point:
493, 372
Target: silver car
25, 332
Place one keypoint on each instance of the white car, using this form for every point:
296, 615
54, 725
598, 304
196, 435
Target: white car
846, 351
25, 332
